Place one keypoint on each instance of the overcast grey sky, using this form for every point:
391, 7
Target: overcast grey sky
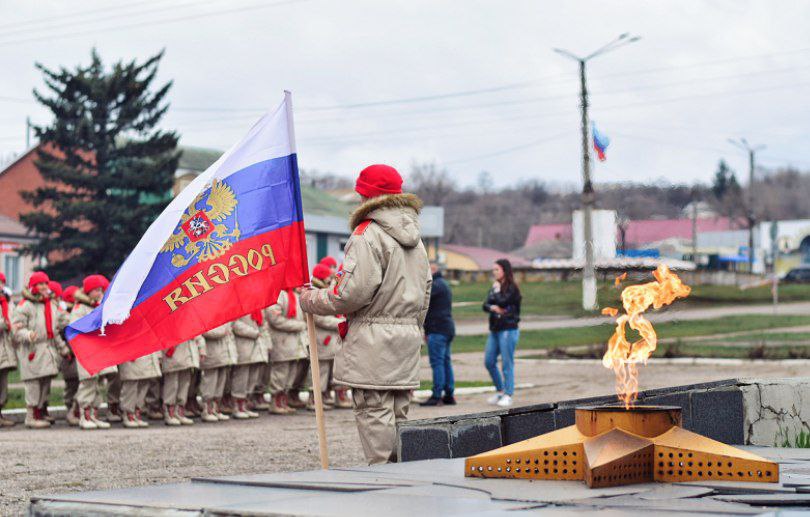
703, 72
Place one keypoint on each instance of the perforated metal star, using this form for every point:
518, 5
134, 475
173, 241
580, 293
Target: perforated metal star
611, 445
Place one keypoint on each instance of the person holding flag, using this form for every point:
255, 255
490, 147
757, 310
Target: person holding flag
384, 291
39, 347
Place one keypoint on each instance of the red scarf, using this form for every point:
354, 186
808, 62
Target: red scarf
4, 308
48, 317
257, 317
292, 304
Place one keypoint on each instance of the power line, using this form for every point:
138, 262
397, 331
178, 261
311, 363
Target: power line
34, 21
507, 150
514, 102
53, 37
109, 16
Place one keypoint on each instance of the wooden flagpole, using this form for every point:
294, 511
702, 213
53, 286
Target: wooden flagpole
315, 369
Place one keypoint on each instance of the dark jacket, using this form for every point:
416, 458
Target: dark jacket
509, 300
439, 318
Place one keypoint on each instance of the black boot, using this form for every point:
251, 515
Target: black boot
432, 401
449, 400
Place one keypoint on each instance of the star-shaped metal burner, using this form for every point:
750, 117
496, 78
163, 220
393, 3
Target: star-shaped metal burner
611, 445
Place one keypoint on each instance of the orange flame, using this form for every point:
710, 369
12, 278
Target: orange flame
621, 355
610, 311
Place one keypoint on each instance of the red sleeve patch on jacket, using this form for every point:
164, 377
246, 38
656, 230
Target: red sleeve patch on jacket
361, 228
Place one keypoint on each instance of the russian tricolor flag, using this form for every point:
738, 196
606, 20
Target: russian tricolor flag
224, 247
600, 143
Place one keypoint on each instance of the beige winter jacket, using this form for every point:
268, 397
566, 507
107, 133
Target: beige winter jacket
220, 348
146, 367
265, 339
290, 341
37, 356
84, 306
249, 349
384, 292
326, 329
8, 357
183, 356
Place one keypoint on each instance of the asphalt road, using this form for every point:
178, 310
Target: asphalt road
477, 327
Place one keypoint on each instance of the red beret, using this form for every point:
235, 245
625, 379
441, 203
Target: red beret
93, 282
56, 288
328, 261
68, 293
378, 180
38, 277
321, 272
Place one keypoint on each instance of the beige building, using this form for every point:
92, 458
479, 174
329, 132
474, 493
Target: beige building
16, 266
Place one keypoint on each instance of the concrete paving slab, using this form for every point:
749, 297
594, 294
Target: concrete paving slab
802, 500
182, 496
450, 472
337, 480
663, 492
778, 453
371, 504
734, 487
680, 506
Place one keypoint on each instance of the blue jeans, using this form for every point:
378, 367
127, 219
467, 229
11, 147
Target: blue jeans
440, 363
502, 343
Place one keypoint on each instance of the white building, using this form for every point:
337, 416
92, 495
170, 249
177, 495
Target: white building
603, 229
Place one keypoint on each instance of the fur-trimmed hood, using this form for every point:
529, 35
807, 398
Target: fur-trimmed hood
81, 297
31, 297
397, 214
320, 284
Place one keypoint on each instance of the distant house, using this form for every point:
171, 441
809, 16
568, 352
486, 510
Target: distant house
472, 258
16, 267
637, 233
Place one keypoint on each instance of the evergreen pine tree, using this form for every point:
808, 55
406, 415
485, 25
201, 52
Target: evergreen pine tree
108, 169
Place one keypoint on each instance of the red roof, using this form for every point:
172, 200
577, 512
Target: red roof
654, 230
639, 232
485, 257
549, 232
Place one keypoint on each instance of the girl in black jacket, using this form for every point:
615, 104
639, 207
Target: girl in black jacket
503, 306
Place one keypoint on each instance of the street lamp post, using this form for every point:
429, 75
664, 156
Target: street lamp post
588, 196
743, 144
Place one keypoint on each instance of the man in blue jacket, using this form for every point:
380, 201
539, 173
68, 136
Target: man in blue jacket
440, 330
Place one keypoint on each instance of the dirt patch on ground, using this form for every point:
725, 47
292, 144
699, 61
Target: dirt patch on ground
65, 459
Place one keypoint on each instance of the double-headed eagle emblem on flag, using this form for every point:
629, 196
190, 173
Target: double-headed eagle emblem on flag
204, 233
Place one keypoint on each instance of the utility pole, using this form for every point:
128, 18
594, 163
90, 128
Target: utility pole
743, 144
588, 196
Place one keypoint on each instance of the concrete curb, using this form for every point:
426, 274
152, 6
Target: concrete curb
678, 360
475, 390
